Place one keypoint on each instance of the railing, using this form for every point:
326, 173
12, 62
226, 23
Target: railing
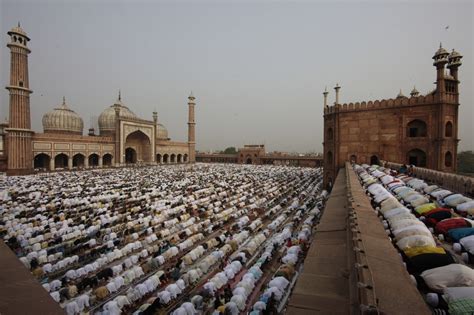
458, 183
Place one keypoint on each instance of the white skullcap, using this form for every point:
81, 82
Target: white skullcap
441, 237
457, 247
432, 299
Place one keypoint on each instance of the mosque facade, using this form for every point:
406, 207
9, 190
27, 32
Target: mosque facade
420, 130
123, 137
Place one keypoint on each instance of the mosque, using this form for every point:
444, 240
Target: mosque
123, 138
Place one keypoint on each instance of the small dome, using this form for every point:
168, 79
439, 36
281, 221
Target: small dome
454, 54
63, 119
107, 117
414, 92
441, 51
441, 56
161, 132
454, 59
18, 30
400, 95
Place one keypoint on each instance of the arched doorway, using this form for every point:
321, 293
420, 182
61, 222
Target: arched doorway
173, 158
180, 158
107, 160
448, 132
130, 156
185, 158
78, 160
166, 159
41, 162
248, 159
416, 128
416, 157
374, 160
141, 145
159, 159
353, 158
448, 159
60, 161
93, 160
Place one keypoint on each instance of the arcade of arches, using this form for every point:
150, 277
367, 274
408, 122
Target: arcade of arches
172, 158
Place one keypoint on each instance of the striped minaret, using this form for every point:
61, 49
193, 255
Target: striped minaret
19, 133
191, 129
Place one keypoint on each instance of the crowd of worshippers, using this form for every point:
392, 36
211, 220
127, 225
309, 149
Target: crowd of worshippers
106, 241
433, 228
254, 293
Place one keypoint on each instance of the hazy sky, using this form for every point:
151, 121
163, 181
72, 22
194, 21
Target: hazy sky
257, 68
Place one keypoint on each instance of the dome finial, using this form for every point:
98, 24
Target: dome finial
19, 24
64, 100
120, 96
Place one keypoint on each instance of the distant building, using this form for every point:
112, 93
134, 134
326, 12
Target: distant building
420, 129
123, 137
255, 154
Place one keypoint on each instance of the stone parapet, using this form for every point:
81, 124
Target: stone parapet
458, 183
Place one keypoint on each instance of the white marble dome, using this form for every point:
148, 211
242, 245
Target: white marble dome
161, 132
63, 120
107, 117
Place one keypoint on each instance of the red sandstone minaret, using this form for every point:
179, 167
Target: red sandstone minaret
191, 131
19, 133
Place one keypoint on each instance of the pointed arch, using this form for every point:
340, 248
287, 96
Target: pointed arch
93, 160
107, 160
41, 161
416, 157
61, 161
78, 160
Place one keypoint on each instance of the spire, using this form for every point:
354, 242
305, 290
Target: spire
120, 96
400, 95
19, 24
336, 88
325, 93
63, 105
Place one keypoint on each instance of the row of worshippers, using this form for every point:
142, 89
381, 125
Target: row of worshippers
423, 220
235, 301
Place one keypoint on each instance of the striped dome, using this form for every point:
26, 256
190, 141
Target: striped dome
107, 117
63, 120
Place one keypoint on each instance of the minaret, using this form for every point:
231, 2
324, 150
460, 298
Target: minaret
337, 88
325, 93
118, 152
191, 131
454, 62
19, 146
440, 60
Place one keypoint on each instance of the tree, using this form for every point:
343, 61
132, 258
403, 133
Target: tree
466, 162
230, 150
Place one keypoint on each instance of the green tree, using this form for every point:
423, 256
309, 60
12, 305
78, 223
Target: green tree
230, 150
466, 162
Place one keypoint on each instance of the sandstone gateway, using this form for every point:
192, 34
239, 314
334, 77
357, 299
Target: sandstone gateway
421, 129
